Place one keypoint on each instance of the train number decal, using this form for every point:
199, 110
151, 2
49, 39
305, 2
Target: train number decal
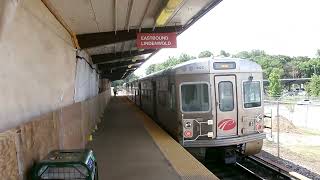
227, 124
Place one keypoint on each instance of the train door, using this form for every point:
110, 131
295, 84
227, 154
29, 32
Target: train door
154, 96
226, 106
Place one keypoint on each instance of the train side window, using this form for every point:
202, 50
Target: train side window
251, 94
226, 98
195, 97
172, 97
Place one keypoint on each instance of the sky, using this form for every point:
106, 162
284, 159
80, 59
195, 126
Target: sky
287, 27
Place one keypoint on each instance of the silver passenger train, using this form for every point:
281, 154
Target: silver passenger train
206, 103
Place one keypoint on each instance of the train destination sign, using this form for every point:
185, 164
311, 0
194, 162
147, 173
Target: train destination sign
156, 40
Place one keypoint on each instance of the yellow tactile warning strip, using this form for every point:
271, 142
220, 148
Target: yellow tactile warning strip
181, 160
298, 176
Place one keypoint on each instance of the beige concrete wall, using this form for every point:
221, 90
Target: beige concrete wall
38, 62
69, 127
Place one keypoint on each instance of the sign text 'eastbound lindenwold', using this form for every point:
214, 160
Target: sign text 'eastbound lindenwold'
156, 40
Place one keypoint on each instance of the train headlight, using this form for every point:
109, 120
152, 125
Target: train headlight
188, 125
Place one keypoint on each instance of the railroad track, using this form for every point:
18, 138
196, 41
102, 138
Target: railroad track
251, 167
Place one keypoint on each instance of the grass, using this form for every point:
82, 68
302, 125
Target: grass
306, 151
309, 152
313, 132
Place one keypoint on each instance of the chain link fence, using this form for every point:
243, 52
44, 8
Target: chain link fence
293, 131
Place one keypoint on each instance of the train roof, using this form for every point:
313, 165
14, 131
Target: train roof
205, 66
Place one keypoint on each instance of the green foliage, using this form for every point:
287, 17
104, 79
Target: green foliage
170, 62
224, 53
310, 67
131, 77
120, 82
185, 57
243, 54
117, 83
205, 54
288, 67
274, 87
150, 69
314, 86
318, 53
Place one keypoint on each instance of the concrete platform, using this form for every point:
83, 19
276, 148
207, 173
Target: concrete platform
129, 145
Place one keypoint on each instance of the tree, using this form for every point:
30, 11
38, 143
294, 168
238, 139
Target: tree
224, 53
185, 57
314, 86
117, 83
308, 68
274, 83
288, 67
242, 54
151, 69
131, 77
257, 52
318, 53
205, 54
170, 62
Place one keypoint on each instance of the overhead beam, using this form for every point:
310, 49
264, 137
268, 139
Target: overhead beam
116, 75
107, 67
120, 71
119, 67
105, 38
103, 58
59, 18
127, 73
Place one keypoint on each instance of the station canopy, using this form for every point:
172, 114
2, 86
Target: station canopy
107, 29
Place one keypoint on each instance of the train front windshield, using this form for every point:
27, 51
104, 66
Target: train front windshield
195, 97
252, 94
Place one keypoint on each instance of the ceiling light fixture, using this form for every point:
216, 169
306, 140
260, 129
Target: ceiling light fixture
167, 12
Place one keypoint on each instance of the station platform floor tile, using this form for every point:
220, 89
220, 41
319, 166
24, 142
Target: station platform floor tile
129, 145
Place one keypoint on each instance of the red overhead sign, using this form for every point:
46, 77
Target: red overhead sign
156, 40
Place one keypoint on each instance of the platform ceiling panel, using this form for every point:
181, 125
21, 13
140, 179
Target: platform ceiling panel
122, 10
151, 13
78, 14
107, 28
104, 11
188, 10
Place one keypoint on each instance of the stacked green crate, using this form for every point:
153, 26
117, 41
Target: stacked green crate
67, 164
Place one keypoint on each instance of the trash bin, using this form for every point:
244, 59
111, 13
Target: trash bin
67, 164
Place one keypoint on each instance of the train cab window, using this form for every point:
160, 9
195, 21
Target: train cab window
226, 99
195, 97
251, 94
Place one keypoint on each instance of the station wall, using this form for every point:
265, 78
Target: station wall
40, 71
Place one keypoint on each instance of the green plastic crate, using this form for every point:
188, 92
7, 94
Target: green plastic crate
67, 164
